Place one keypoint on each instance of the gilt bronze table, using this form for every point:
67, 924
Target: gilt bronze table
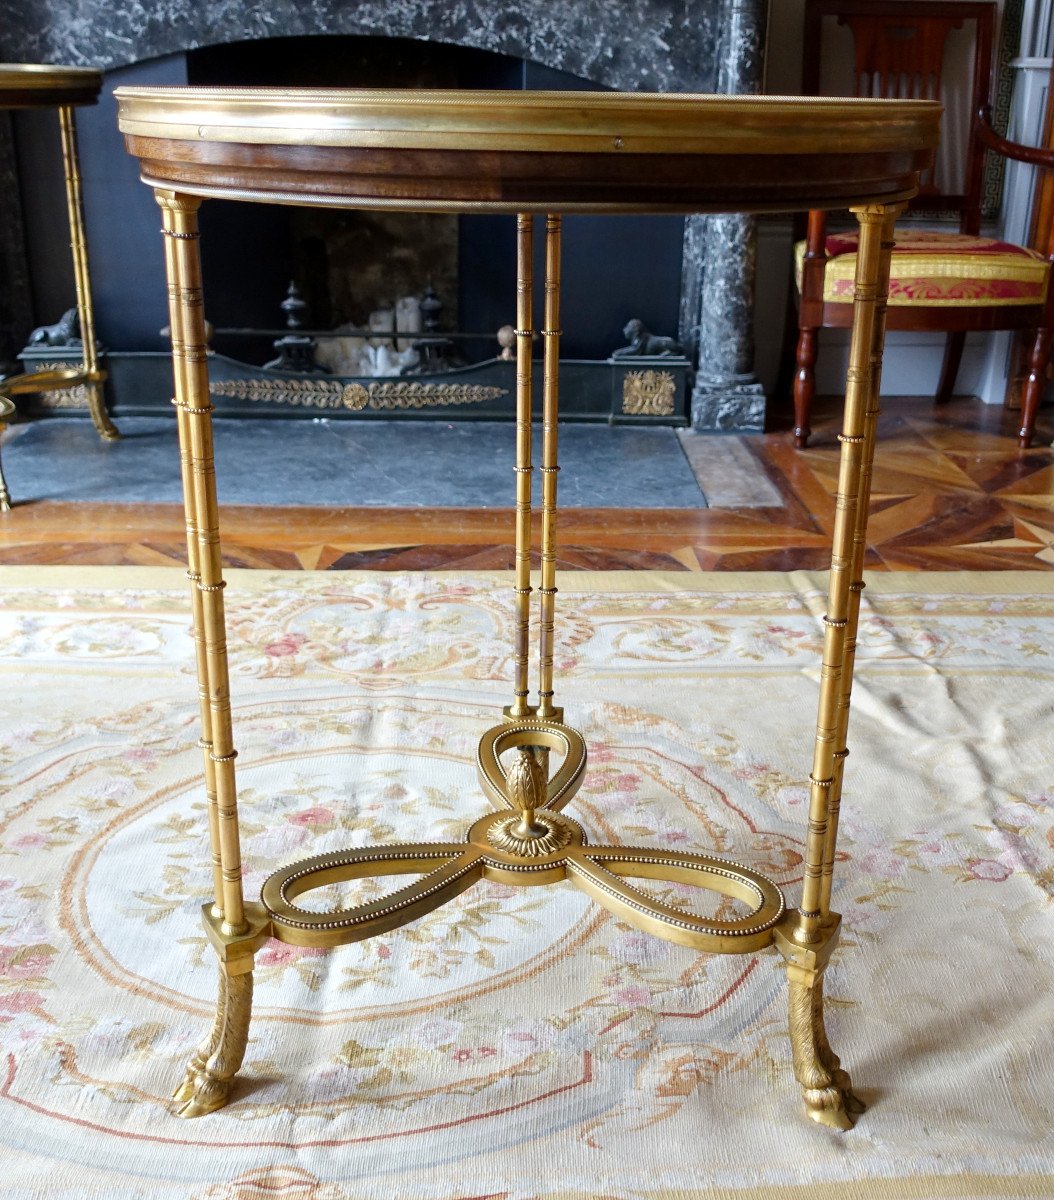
526, 154
29, 86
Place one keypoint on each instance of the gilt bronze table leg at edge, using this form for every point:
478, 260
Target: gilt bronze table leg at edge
809, 936
211, 1070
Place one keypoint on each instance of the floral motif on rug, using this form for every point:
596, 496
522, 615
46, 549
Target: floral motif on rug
515, 1028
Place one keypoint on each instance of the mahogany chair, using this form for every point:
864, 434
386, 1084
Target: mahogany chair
950, 282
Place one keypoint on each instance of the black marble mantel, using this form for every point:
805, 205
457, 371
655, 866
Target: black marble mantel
644, 45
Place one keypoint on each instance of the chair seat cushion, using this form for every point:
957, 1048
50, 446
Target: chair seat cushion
950, 270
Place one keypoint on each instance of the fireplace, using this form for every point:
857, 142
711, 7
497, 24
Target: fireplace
347, 265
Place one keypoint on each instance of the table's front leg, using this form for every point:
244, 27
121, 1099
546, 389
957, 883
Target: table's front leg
211, 1070
809, 936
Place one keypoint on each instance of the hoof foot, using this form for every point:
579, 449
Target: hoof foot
185, 1089
835, 1107
205, 1096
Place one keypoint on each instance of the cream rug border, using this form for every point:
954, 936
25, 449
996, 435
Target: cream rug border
917, 1187
571, 583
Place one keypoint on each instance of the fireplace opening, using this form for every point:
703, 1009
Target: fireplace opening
350, 264
353, 270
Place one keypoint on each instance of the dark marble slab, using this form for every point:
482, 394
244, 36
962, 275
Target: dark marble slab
338, 463
651, 45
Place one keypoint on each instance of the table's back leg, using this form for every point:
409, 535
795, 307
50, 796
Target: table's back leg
93, 376
549, 469
520, 706
810, 935
208, 1080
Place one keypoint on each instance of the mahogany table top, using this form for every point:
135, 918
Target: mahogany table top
27, 85
490, 151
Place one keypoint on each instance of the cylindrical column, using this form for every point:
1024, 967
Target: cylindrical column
523, 468
550, 417
81, 279
175, 313
858, 395
192, 399
883, 218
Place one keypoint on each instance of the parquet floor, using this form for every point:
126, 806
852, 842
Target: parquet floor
951, 492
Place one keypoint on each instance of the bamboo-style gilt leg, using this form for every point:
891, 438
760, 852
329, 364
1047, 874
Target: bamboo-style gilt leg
826, 1088
211, 1070
234, 929
810, 936
93, 376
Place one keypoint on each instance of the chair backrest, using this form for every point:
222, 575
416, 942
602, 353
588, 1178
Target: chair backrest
901, 50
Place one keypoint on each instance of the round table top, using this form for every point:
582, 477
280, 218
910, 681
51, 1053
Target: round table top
27, 85
492, 151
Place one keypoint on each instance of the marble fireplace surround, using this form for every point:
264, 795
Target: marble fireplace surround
645, 45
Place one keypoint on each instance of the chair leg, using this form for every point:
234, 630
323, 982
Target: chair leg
1034, 385
804, 386
953, 354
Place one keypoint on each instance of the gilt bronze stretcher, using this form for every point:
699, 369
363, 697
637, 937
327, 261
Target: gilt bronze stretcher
63, 88
526, 154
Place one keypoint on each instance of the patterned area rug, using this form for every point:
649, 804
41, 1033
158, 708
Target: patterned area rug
522, 1043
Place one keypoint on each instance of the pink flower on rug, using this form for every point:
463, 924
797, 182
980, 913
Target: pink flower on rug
281, 955
140, 754
635, 995
30, 841
499, 891
287, 644
882, 863
528, 1038
18, 963
1017, 816
634, 948
312, 816
437, 1032
938, 852
20, 1002
793, 796
987, 870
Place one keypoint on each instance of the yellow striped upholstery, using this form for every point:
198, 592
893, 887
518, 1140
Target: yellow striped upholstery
949, 270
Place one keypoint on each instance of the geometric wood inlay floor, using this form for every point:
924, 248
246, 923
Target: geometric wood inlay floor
951, 491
